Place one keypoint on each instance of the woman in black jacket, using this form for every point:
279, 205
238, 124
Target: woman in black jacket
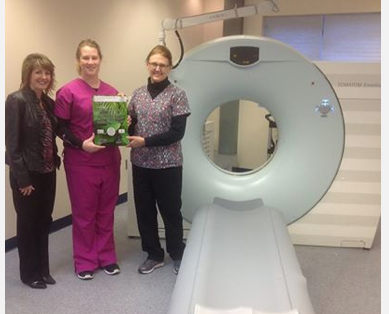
31, 153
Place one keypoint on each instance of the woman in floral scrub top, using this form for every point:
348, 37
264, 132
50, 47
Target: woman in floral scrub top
159, 111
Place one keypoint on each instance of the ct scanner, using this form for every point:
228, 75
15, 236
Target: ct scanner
302, 102
239, 257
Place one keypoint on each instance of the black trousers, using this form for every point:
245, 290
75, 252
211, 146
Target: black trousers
162, 188
33, 224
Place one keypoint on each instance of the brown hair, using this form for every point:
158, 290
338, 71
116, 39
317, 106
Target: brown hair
90, 43
33, 61
162, 50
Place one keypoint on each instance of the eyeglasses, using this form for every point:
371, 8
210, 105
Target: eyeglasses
155, 65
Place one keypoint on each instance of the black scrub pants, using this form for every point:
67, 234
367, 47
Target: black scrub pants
162, 188
33, 224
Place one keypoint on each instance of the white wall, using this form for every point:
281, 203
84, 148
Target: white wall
125, 30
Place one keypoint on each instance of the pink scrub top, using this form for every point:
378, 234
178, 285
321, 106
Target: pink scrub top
74, 103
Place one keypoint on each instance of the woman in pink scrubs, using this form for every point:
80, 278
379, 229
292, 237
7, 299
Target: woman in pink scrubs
92, 171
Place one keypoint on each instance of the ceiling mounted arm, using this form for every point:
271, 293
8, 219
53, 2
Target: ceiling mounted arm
249, 10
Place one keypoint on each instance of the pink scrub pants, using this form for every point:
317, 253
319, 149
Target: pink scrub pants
93, 195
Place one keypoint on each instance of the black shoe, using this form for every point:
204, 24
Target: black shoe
85, 275
48, 280
112, 269
149, 265
38, 284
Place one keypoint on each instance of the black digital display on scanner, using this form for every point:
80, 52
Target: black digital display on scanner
244, 55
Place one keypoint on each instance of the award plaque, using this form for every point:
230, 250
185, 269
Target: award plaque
110, 120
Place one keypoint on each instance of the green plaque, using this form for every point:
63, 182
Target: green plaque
110, 120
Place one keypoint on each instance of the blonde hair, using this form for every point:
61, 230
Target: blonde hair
160, 50
90, 43
33, 61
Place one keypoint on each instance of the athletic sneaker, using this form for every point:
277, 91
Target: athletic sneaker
149, 265
112, 269
85, 275
176, 266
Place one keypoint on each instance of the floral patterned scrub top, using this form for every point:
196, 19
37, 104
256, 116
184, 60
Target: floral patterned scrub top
154, 117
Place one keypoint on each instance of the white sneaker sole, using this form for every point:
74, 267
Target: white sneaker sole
87, 277
115, 272
152, 269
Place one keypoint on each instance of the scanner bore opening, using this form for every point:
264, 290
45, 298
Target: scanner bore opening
240, 137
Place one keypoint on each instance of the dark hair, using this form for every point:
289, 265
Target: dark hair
90, 43
33, 61
161, 50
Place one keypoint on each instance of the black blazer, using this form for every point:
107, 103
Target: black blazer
23, 136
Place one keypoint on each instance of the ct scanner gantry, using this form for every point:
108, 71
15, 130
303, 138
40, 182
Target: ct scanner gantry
239, 257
